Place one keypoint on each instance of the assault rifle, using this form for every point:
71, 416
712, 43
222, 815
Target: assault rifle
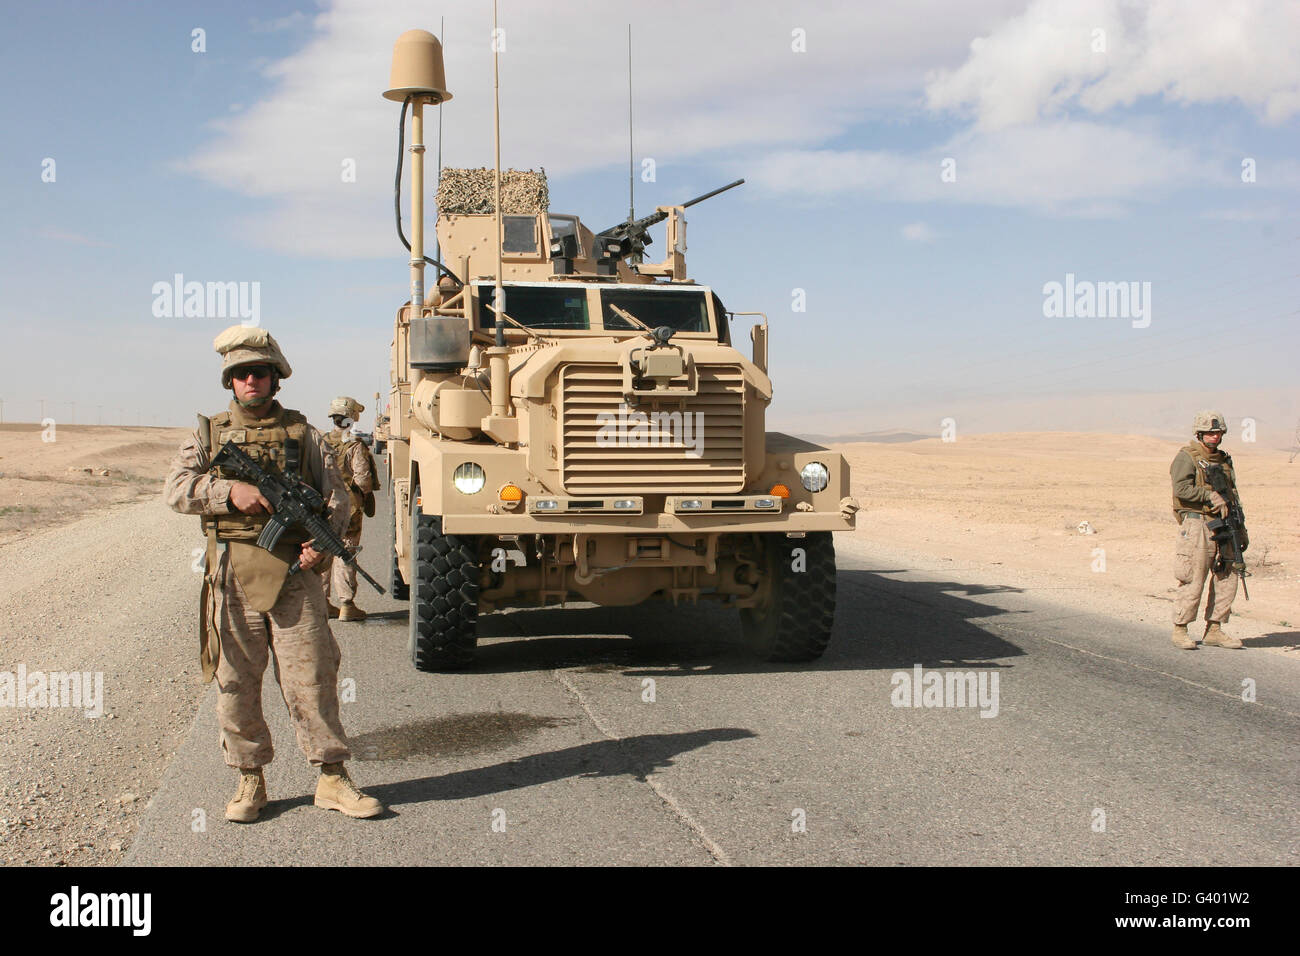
294, 504
1229, 533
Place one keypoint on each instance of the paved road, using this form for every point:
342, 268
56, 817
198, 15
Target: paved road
1107, 746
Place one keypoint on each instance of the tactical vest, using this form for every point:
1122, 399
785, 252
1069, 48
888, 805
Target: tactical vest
261, 573
1200, 458
342, 446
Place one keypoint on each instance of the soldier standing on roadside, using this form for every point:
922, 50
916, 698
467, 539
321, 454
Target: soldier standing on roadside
251, 607
1195, 503
357, 469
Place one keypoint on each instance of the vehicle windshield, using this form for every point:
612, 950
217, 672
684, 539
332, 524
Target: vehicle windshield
537, 308
685, 310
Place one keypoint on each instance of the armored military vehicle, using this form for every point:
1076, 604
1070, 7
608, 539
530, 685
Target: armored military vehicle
571, 423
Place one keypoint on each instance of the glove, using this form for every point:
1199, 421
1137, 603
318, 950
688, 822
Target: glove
1219, 503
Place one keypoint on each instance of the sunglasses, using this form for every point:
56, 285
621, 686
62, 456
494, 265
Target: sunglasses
257, 371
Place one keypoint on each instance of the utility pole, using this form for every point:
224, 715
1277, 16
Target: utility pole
42, 409
100, 411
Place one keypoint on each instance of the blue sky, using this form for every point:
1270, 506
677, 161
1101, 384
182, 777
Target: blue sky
924, 297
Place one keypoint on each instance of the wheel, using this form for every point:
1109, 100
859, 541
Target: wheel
444, 595
398, 587
794, 622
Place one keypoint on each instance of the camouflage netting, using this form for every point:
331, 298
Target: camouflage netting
468, 192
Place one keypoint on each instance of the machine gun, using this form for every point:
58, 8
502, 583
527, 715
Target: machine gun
1229, 533
294, 504
631, 237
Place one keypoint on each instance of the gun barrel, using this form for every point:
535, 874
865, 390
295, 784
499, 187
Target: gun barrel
645, 222
710, 195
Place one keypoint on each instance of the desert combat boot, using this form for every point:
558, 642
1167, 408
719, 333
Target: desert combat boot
350, 612
249, 799
336, 791
1214, 637
1181, 639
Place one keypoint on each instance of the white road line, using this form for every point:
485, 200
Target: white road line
669, 800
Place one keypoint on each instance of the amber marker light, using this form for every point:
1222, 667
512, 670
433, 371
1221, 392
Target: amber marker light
511, 493
779, 491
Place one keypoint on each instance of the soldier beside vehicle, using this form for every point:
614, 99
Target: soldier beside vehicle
358, 471
1211, 534
257, 602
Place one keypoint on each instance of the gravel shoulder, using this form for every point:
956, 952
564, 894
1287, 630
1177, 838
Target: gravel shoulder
112, 594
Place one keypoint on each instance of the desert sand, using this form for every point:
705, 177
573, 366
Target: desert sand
1014, 500
44, 483
1017, 499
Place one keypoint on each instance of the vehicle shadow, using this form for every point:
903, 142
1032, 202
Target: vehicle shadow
635, 757
881, 623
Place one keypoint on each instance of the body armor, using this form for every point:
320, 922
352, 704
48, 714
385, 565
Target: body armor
279, 439
1200, 458
342, 443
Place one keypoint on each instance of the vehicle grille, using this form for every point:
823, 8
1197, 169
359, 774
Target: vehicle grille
614, 464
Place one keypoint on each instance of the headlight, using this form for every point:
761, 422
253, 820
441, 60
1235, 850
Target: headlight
690, 504
814, 476
469, 479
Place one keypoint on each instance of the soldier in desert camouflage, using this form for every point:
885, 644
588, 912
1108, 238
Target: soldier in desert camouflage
1195, 502
357, 469
251, 607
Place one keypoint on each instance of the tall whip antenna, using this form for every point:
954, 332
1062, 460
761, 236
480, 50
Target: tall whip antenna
437, 246
498, 294
631, 164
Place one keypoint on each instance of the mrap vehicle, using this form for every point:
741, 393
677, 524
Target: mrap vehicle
570, 423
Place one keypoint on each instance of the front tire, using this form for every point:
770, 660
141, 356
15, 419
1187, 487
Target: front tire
397, 586
444, 595
794, 623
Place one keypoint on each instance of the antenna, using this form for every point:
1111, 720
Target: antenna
631, 163
437, 246
498, 294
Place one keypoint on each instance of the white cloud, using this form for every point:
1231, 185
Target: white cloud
918, 232
1047, 59
1066, 167
714, 86
706, 80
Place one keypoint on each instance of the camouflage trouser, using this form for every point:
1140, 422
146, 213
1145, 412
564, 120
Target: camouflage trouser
1193, 562
342, 582
306, 657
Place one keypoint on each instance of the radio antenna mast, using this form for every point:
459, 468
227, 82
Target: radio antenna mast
437, 247
498, 295
631, 164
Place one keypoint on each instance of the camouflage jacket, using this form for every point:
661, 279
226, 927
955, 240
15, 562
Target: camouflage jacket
354, 460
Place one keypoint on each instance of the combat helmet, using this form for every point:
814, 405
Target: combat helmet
243, 345
1207, 421
347, 407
